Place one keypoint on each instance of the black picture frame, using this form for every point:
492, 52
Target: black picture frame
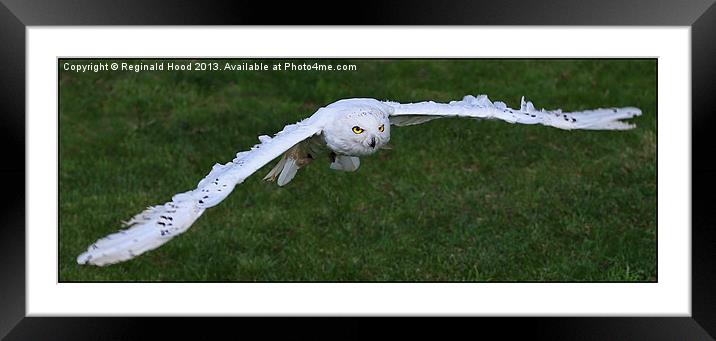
15, 15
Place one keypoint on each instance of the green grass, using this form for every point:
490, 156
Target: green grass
455, 200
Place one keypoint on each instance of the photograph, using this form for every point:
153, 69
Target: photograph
498, 164
357, 170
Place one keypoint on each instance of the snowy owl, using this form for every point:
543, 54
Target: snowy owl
340, 132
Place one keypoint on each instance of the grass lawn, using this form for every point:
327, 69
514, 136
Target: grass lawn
454, 200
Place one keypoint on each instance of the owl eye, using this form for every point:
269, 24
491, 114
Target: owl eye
381, 128
357, 130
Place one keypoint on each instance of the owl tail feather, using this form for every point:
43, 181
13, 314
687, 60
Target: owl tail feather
286, 168
276, 170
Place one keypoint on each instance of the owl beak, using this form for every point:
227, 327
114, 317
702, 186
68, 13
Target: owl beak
372, 142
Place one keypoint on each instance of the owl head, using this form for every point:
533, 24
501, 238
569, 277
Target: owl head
361, 130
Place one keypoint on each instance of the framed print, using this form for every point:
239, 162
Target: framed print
445, 242
568, 219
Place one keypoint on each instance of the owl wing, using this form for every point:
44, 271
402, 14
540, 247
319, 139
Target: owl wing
481, 107
158, 224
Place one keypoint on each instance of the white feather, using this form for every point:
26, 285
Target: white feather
159, 224
288, 171
481, 107
408, 120
147, 230
346, 163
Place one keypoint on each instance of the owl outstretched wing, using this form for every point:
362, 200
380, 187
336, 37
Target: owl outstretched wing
481, 107
159, 224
